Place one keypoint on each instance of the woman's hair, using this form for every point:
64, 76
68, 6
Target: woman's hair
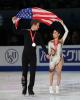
57, 30
56, 26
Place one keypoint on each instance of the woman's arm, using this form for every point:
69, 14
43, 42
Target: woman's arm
66, 32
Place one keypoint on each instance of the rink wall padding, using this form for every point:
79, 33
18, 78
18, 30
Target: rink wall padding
39, 68
10, 58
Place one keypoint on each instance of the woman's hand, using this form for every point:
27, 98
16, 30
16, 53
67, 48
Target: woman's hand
61, 21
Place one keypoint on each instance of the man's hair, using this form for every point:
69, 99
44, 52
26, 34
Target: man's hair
34, 22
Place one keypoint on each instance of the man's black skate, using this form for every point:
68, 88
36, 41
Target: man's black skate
24, 90
30, 91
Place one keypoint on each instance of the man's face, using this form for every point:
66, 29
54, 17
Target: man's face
36, 26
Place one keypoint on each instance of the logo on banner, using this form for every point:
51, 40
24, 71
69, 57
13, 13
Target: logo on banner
71, 56
11, 56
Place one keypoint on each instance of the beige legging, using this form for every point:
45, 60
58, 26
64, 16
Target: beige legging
58, 69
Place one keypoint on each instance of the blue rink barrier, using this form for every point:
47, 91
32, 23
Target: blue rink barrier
39, 68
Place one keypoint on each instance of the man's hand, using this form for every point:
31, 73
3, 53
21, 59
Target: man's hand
14, 19
48, 56
52, 52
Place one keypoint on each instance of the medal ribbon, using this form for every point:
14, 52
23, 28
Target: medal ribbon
55, 44
32, 36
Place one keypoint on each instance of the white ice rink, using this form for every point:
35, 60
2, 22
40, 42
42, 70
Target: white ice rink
10, 87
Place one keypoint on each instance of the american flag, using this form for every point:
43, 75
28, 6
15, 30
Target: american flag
39, 14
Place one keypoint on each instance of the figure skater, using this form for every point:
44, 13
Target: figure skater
56, 57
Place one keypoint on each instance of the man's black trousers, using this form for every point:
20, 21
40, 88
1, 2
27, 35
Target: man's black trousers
28, 63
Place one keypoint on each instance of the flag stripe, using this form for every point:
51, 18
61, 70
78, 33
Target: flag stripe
44, 16
39, 10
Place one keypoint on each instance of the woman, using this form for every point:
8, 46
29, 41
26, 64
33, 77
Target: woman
56, 57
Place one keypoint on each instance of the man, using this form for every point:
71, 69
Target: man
31, 39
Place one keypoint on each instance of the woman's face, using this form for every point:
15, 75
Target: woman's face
55, 34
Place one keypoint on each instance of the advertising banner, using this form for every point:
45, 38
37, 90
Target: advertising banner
11, 56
